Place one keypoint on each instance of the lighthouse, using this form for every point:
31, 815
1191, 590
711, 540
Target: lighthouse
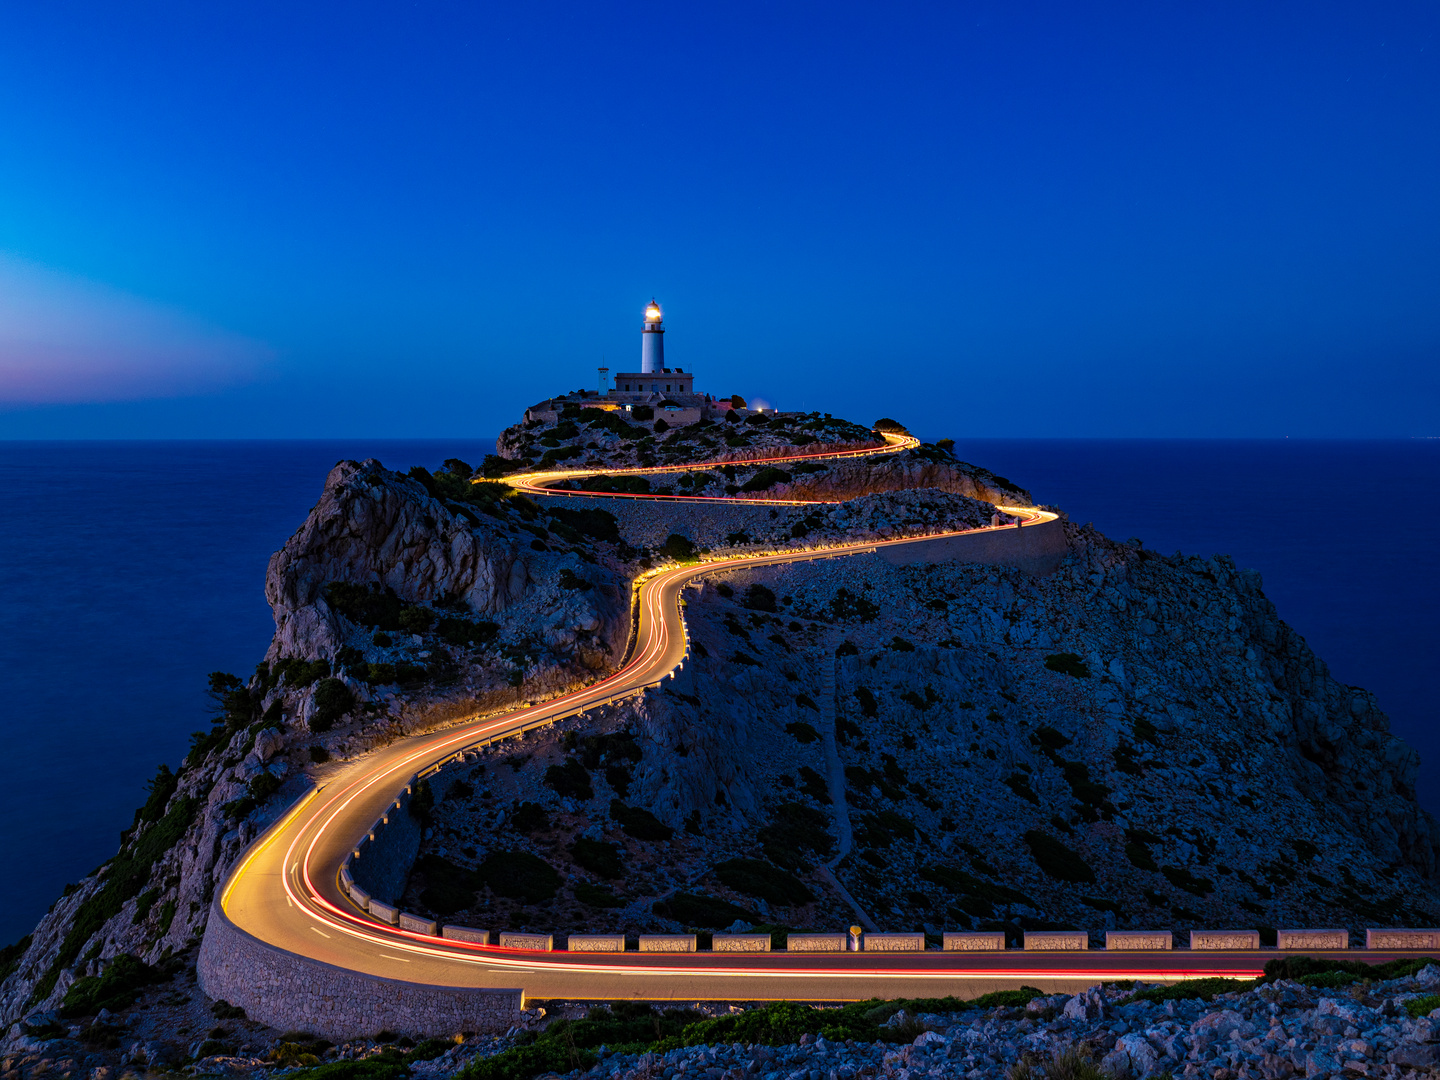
652, 341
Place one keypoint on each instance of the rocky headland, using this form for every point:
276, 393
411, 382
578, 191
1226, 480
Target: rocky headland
1136, 740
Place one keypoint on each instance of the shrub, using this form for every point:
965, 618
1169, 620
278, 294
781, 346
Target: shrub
796, 828
766, 478
599, 857
759, 598
416, 619
457, 631
263, 786
520, 876
1068, 663
677, 547
1057, 860
333, 699
559, 453
893, 426
633, 485
571, 779
814, 785
599, 524
1183, 879
1047, 737
1139, 856
845, 605
596, 896
868, 705
161, 787
365, 606
643, 412
448, 887
899, 644
754, 877
802, 731
641, 824
530, 818
703, 911
570, 580
115, 988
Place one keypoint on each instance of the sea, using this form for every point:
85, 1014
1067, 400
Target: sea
133, 569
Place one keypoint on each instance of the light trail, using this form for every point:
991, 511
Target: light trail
304, 850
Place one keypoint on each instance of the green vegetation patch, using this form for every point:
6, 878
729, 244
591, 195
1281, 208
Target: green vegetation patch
1422, 1006
754, 877
520, 876
115, 988
1327, 973
125, 876
392, 1063
1188, 989
1057, 860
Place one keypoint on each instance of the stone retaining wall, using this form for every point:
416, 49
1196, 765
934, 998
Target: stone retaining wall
1036, 549
295, 993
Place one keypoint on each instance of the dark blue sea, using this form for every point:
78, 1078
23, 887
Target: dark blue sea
132, 569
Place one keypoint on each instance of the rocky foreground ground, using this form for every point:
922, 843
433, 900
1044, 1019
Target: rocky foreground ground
1325, 1023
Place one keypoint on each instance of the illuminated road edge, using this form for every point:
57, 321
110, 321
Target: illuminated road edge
285, 893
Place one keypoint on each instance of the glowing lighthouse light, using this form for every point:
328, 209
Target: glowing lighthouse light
652, 341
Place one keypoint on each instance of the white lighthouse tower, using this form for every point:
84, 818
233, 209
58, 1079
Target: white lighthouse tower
652, 341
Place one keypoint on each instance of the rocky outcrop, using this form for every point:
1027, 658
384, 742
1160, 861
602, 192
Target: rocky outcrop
374, 525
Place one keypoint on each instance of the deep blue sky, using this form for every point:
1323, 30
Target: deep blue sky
1142, 218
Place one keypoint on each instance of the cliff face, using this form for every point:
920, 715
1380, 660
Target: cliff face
372, 525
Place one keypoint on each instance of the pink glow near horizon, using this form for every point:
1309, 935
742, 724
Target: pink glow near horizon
65, 340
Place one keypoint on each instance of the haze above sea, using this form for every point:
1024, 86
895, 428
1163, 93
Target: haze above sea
131, 569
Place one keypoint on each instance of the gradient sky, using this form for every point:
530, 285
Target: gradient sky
263, 219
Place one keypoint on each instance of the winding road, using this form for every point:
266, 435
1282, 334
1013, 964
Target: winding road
286, 890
